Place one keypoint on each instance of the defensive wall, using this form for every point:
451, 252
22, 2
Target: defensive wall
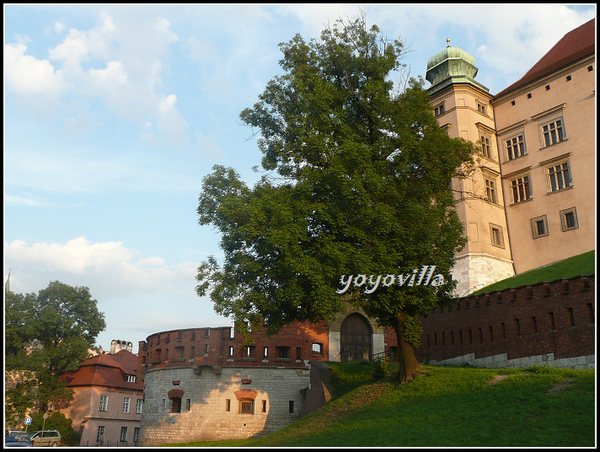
549, 323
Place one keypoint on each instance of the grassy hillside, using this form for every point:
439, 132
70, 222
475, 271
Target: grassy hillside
582, 264
446, 407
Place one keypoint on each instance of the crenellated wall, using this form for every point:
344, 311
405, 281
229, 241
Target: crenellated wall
548, 323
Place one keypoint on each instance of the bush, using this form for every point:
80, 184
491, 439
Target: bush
381, 368
56, 421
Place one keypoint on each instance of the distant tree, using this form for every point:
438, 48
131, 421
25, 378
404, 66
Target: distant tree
358, 184
46, 335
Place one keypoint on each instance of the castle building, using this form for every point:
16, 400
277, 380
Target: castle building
530, 202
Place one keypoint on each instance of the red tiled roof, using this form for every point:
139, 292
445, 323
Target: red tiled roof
107, 371
574, 45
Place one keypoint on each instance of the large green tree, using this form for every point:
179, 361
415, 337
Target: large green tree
357, 183
46, 335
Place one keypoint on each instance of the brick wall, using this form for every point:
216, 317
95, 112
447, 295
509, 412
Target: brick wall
550, 321
291, 347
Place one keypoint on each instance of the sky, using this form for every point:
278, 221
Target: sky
114, 113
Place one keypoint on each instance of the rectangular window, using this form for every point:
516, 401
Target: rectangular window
439, 110
520, 189
264, 406
228, 405
137, 435
283, 352
126, 404
515, 147
291, 407
539, 227
481, 108
246, 407
298, 353
496, 235
485, 147
490, 190
317, 349
553, 132
571, 317
123, 436
139, 403
534, 325
568, 219
518, 327
100, 435
265, 352
231, 351
130, 378
103, 403
206, 348
188, 404
559, 176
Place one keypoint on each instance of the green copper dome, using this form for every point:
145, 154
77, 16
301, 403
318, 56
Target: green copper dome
451, 65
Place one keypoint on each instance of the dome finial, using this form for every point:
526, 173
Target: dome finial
447, 42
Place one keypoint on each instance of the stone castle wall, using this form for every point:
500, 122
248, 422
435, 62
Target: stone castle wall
212, 402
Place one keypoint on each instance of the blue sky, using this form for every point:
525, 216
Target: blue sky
115, 113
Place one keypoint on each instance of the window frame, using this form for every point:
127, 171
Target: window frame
510, 145
563, 220
535, 232
562, 177
514, 186
103, 406
126, 405
500, 242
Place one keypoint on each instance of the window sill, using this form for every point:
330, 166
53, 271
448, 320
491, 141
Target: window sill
560, 190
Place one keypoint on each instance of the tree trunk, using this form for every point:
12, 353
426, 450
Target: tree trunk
407, 360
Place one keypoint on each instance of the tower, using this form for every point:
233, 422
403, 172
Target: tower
462, 107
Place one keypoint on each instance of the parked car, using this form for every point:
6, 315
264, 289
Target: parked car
45, 438
17, 439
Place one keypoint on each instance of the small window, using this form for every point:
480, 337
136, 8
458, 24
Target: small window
246, 407
123, 437
513, 102
265, 352
264, 406
439, 110
497, 236
291, 407
568, 78
231, 351
590, 68
188, 404
228, 405
130, 378
283, 352
317, 348
100, 435
529, 96
539, 227
547, 87
481, 108
568, 219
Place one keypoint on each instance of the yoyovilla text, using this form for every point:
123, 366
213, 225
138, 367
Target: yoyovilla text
423, 279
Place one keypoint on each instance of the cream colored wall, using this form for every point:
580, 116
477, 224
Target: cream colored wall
481, 262
578, 98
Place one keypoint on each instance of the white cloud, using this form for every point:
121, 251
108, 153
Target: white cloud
109, 269
119, 61
28, 75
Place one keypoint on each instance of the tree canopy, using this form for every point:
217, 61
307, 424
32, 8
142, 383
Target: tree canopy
46, 335
358, 183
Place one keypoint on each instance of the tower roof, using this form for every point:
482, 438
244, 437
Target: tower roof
451, 65
575, 45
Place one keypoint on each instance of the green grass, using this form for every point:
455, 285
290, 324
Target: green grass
583, 264
445, 407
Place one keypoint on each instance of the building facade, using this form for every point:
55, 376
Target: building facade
108, 400
546, 132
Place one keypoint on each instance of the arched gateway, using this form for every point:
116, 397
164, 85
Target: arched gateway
355, 338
